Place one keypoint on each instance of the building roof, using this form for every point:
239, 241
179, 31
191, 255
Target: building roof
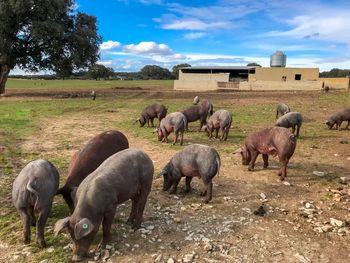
220, 67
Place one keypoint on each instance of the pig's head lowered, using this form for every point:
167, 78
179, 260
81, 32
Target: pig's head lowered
245, 155
82, 234
159, 133
168, 176
330, 123
141, 120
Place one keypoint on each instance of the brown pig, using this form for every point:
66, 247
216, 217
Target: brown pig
269, 141
86, 160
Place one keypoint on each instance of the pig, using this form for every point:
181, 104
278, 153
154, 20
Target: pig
125, 175
196, 100
195, 160
151, 112
198, 112
290, 119
337, 119
282, 109
175, 122
33, 191
221, 119
86, 160
269, 141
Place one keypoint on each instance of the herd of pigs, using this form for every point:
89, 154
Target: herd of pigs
106, 172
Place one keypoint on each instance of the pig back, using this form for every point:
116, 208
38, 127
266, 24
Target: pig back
120, 177
93, 154
42, 179
284, 141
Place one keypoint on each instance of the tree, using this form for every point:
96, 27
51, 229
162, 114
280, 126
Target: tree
335, 73
175, 70
253, 64
155, 72
99, 71
40, 34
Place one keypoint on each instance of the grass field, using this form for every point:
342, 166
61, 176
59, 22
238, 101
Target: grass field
55, 128
36, 84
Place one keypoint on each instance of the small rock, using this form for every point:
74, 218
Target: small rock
309, 206
109, 247
260, 211
151, 227
170, 260
326, 228
208, 247
344, 179
50, 250
336, 222
158, 258
45, 261
105, 255
302, 258
286, 183
188, 258
263, 196
177, 220
318, 173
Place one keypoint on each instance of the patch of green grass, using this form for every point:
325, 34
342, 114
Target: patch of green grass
38, 84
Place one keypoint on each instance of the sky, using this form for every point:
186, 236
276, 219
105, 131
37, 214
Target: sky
313, 33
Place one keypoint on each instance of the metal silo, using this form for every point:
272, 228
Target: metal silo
278, 59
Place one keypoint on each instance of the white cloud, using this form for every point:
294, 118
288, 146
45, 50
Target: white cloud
194, 35
194, 25
151, 2
108, 45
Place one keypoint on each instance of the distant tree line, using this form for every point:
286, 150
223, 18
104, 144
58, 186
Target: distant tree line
335, 73
98, 72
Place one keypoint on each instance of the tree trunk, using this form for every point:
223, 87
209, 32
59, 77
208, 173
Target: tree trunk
4, 73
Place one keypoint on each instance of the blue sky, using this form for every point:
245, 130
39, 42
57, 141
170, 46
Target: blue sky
135, 33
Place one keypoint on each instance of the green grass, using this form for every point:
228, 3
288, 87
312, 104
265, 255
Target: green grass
38, 84
21, 119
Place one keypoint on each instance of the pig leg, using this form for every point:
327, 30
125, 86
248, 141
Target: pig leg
254, 155
32, 216
293, 129
347, 126
208, 188
226, 133
133, 211
26, 219
188, 184
266, 160
175, 184
298, 129
142, 199
40, 225
176, 136
107, 225
182, 138
283, 169
216, 133
222, 134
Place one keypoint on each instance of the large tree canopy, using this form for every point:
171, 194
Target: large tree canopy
99, 71
41, 34
155, 72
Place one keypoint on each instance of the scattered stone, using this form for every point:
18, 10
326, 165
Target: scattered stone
188, 258
151, 227
109, 247
45, 261
286, 183
309, 205
50, 250
302, 258
327, 228
208, 247
177, 220
170, 260
263, 196
344, 179
336, 222
318, 173
158, 258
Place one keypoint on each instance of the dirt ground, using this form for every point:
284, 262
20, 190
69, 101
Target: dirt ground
298, 223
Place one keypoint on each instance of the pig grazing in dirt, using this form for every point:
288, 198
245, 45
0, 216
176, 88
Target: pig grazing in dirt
175, 122
33, 191
89, 158
282, 109
151, 112
290, 119
221, 119
337, 119
125, 175
269, 141
198, 112
195, 160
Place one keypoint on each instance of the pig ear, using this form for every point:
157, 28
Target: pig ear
83, 228
61, 224
138, 119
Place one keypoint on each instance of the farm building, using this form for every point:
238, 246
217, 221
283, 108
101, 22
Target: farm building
276, 77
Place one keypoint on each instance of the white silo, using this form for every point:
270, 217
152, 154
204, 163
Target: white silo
278, 59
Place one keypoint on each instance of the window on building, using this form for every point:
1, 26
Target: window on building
297, 77
284, 78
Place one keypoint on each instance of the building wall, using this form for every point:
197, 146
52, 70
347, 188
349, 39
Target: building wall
280, 85
336, 83
276, 74
194, 81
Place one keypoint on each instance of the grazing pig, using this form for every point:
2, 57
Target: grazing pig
291, 119
207, 106
221, 119
151, 112
198, 112
270, 141
125, 175
282, 109
89, 158
33, 190
175, 122
337, 119
195, 160
196, 100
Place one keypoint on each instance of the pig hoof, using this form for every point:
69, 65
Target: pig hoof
251, 169
42, 244
206, 201
203, 193
26, 240
187, 191
130, 221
